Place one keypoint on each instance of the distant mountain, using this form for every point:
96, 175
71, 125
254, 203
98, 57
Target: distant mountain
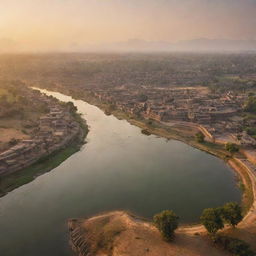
201, 44
138, 45
204, 44
141, 45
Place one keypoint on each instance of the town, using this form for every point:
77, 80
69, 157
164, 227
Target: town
54, 131
218, 115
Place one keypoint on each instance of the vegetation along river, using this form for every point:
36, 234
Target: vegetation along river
118, 168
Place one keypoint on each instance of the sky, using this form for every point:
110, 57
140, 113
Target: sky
64, 24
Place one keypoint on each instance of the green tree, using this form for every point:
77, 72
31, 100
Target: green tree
211, 219
200, 137
71, 106
232, 147
166, 222
232, 213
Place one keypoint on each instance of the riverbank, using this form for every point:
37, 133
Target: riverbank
46, 163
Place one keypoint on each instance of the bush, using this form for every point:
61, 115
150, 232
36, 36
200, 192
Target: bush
13, 142
234, 246
166, 222
145, 132
232, 147
251, 131
71, 106
200, 137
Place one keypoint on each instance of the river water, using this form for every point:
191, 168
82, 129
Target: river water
118, 168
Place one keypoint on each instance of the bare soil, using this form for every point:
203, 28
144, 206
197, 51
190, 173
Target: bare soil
121, 234
6, 134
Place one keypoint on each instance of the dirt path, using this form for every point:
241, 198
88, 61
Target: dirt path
251, 215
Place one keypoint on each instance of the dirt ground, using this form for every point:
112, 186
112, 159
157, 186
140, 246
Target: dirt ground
123, 235
6, 134
143, 239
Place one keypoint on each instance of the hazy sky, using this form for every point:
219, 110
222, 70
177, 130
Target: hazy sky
50, 24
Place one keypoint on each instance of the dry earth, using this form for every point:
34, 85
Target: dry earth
120, 234
6, 134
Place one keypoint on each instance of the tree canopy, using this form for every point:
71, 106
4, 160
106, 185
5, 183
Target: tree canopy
166, 222
232, 213
212, 220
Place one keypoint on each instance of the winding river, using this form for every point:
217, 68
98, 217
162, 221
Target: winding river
118, 168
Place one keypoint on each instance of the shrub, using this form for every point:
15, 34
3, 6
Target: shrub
13, 142
234, 246
200, 137
145, 132
232, 147
250, 131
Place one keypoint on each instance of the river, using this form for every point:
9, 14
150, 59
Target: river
118, 168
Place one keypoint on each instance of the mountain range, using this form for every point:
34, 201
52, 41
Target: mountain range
138, 45
196, 45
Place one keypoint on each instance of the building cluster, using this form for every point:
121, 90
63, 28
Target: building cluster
54, 131
217, 112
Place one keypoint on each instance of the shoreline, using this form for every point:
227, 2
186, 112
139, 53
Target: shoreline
46, 163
